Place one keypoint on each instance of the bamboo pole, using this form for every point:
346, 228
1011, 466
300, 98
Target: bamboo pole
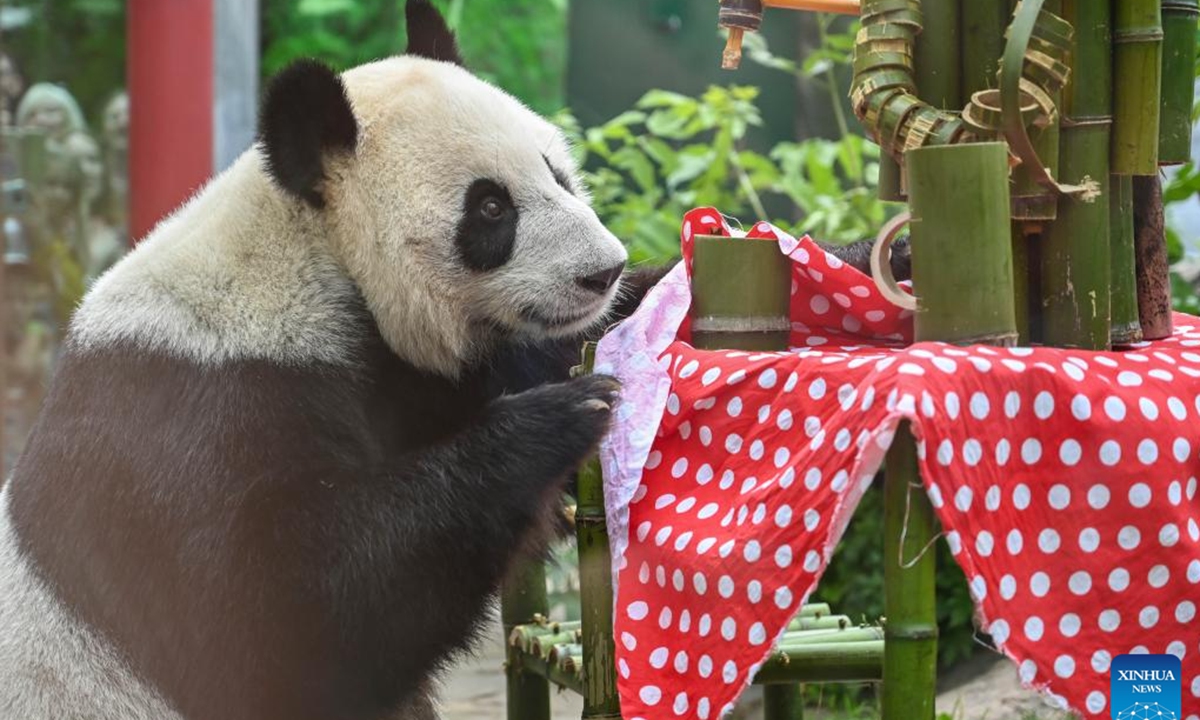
783, 702
741, 294
1153, 270
1126, 324
821, 662
1178, 80
982, 40
937, 58
965, 296
523, 600
1075, 279
1137, 78
841, 7
600, 699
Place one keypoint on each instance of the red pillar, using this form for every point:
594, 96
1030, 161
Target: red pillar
170, 75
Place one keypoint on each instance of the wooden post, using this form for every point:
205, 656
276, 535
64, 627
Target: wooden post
523, 598
783, 702
600, 700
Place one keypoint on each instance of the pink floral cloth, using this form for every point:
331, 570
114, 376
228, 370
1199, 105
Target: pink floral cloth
1065, 482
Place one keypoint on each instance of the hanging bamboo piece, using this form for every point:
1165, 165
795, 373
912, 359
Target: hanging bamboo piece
1137, 76
1153, 271
1178, 80
741, 294
1075, 277
1126, 323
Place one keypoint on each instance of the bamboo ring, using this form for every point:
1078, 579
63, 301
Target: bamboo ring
881, 266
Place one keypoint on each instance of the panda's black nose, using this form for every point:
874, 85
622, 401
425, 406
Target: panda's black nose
600, 282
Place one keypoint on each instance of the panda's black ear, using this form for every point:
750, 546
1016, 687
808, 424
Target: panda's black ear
306, 116
428, 36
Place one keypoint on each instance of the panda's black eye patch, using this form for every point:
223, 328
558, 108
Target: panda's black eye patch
559, 176
487, 229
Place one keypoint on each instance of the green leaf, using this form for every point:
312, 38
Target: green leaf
318, 8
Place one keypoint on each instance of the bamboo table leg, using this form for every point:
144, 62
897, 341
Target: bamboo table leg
783, 702
523, 597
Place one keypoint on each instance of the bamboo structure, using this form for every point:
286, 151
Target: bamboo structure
1178, 80
1076, 279
1137, 80
783, 702
1153, 270
523, 600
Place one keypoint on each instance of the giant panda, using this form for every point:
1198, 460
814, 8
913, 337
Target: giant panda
275, 477
297, 437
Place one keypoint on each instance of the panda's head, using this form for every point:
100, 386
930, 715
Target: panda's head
456, 210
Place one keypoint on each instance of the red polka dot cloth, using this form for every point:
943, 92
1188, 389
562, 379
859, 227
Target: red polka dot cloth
1065, 482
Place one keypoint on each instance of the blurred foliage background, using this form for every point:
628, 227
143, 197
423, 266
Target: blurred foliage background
646, 165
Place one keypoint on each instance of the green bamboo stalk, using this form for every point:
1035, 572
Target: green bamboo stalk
1075, 279
966, 296
1126, 325
741, 292
537, 669
1023, 300
828, 622
1178, 80
783, 702
891, 183
1137, 79
828, 662
599, 685
937, 58
910, 623
522, 600
983, 24
818, 637
813, 610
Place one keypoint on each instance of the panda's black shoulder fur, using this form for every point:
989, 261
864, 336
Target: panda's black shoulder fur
301, 542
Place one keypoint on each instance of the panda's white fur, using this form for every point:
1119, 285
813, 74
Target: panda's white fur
289, 345
287, 267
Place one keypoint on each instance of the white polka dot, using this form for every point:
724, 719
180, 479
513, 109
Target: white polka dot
1059, 497
811, 519
1031, 451
1008, 587
1080, 583
812, 478
658, 658
1064, 666
650, 695
984, 543
752, 552
1110, 620
1034, 628
999, 631
980, 406
704, 666
783, 556
679, 468
1139, 495
1096, 702
1118, 580
1129, 537
768, 378
1101, 659
733, 443
758, 634
703, 708
1193, 572
783, 598
819, 304
681, 704
1003, 450
1114, 407
1070, 452
783, 516
1168, 536
700, 583
1159, 575
945, 453
1148, 408
1098, 497
816, 390
710, 376
1181, 449
991, 500
1185, 611
629, 641
1147, 452
729, 628
1110, 452
1043, 405
638, 610
1127, 378
972, 452
1148, 617
734, 407
1049, 541
1015, 542
1089, 540
1039, 584
812, 561
1021, 496
1069, 625
1081, 407
729, 672
962, 498
1027, 671
784, 420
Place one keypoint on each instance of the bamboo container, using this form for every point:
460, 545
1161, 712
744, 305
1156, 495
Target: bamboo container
741, 293
1126, 325
1137, 78
1178, 80
1075, 273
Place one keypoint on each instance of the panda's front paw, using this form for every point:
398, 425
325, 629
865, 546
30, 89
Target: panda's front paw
562, 422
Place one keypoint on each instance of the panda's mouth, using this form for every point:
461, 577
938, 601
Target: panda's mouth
561, 323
